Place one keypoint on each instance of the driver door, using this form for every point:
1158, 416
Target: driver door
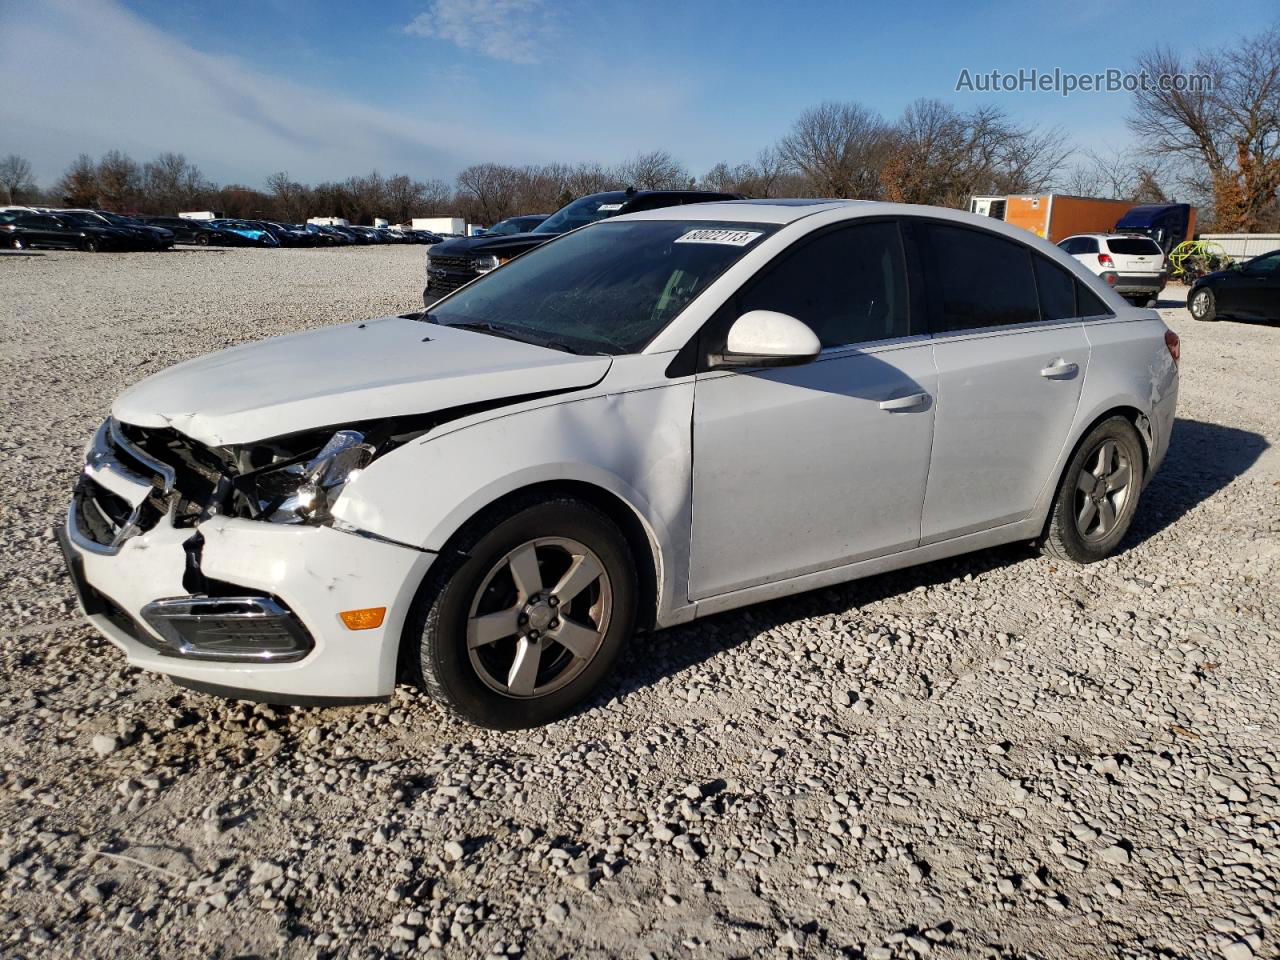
1259, 293
800, 469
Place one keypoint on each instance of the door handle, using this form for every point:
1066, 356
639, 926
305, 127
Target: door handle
1060, 370
905, 403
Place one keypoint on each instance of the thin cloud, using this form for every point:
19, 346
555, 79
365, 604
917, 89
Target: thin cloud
513, 30
235, 120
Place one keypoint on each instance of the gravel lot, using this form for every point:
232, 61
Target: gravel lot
995, 756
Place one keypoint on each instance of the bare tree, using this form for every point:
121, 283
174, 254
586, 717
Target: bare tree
1227, 135
1122, 173
78, 187
655, 170
15, 177
437, 198
840, 147
171, 183
941, 155
489, 191
119, 181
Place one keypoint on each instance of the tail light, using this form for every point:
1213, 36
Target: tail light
1174, 344
1104, 260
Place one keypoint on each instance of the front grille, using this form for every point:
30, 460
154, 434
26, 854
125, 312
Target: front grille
456, 272
131, 479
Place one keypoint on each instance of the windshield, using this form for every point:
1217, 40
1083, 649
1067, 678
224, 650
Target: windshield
609, 289
120, 220
503, 229
84, 219
580, 213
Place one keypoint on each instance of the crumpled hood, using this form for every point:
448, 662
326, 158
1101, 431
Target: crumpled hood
337, 375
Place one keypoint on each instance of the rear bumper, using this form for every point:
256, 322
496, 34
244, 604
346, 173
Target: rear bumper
303, 576
1133, 283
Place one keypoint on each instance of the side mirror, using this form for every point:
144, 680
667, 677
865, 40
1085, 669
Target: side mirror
765, 338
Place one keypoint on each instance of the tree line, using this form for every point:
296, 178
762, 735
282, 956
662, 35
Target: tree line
1217, 147
934, 153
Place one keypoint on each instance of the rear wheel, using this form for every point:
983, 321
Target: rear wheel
527, 618
1098, 494
89, 245
202, 239
21, 243
1203, 306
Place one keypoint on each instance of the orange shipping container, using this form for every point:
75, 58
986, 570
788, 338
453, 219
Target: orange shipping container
1056, 216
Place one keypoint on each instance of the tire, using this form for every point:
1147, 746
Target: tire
19, 243
487, 635
202, 239
1203, 305
89, 245
1107, 468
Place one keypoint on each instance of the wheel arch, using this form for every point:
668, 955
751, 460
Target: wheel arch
645, 549
1141, 424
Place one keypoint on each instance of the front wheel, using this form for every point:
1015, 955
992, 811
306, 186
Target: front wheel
1098, 494
90, 245
21, 243
526, 616
1202, 305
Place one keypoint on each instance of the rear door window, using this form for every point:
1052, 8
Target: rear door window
1056, 288
980, 280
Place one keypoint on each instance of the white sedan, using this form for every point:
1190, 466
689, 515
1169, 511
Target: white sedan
648, 420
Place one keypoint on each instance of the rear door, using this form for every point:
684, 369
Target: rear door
1011, 357
1136, 256
805, 468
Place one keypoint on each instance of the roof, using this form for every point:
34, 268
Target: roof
744, 211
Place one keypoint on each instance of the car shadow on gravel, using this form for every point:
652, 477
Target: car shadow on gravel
20, 253
1203, 459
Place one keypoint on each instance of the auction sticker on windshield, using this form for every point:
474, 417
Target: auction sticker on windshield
734, 238
609, 206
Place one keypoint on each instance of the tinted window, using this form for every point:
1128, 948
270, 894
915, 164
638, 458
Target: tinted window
1264, 265
1057, 290
849, 285
1134, 246
1085, 245
1089, 305
982, 280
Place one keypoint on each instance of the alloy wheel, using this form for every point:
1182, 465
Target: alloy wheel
1103, 487
539, 617
1200, 304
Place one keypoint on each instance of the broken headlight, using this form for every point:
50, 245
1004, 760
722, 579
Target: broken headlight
304, 490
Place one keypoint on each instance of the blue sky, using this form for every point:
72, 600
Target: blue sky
329, 88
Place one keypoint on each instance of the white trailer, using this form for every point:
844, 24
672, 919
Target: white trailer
328, 221
455, 225
1243, 246
201, 215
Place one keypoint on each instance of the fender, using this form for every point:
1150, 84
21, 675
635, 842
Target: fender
633, 444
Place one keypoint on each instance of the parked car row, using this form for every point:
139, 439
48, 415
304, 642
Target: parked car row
89, 230
93, 230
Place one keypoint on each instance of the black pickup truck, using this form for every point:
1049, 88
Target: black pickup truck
452, 263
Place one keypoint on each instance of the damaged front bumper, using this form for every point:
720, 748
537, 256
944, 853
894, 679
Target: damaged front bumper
236, 606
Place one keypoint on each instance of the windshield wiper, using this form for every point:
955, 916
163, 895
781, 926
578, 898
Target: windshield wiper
479, 326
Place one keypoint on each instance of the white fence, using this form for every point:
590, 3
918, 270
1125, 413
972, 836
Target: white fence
1242, 246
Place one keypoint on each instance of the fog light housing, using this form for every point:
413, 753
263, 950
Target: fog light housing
229, 629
